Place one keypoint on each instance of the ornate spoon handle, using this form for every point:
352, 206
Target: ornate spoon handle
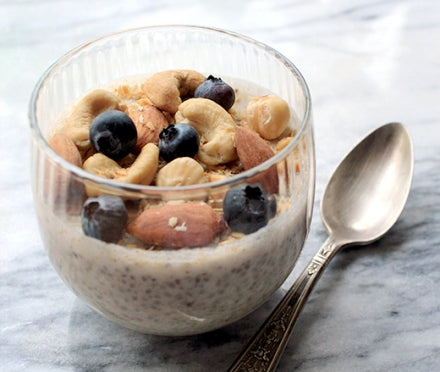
264, 351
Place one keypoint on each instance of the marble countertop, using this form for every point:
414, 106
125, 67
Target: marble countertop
376, 308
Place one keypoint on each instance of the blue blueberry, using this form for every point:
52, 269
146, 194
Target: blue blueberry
178, 140
216, 90
104, 218
113, 133
247, 208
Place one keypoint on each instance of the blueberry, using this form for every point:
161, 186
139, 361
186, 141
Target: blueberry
113, 133
104, 218
178, 140
216, 90
248, 208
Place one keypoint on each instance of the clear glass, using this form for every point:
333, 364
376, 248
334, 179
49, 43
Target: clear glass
189, 290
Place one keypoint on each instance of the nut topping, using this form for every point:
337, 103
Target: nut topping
91, 105
252, 151
149, 122
141, 172
180, 172
180, 140
176, 225
66, 148
216, 128
268, 116
165, 89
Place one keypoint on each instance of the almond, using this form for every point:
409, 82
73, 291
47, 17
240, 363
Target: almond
62, 189
253, 150
176, 225
66, 148
149, 122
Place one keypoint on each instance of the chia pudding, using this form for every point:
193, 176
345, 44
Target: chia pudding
173, 240
176, 292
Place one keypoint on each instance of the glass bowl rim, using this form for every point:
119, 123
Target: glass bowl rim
155, 190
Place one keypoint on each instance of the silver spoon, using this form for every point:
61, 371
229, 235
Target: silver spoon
362, 201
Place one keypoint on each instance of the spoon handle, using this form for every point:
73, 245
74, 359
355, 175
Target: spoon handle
264, 351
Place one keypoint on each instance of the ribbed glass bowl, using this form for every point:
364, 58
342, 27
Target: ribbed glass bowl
189, 290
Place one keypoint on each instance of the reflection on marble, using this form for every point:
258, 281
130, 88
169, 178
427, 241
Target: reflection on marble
376, 308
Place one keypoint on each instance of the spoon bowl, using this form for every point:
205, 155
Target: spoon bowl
362, 201
368, 190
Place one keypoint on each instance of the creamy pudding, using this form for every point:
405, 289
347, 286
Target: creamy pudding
176, 292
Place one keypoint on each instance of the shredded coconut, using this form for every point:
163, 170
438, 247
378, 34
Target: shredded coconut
172, 222
182, 227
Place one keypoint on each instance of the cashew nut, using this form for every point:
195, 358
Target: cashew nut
77, 125
180, 172
215, 126
165, 89
141, 172
268, 115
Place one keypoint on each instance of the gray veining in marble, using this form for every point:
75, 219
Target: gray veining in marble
376, 308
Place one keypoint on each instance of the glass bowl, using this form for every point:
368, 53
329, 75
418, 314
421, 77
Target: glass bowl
171, 291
